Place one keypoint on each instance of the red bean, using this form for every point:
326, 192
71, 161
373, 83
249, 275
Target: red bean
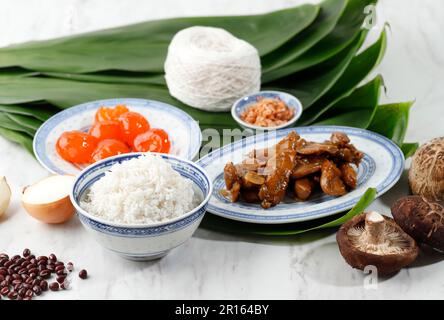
83, 274
54, 286
44, 285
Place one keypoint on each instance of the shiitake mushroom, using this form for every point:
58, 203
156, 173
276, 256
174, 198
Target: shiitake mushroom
371, 239
422, 219
426, 173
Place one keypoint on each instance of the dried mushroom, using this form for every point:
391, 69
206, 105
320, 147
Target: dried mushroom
422, 219
371, 239
426, 174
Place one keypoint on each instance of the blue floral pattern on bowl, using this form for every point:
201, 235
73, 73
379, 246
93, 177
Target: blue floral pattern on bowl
142, 242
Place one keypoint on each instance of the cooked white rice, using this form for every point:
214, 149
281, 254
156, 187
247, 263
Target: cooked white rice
142, 190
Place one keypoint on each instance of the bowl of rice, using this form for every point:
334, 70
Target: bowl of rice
141, 205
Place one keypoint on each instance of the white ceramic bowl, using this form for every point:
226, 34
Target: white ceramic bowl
142, 242
291, 101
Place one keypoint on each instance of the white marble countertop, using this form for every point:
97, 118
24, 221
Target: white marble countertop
215, 265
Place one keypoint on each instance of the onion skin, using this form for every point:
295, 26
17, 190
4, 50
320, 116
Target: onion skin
53, 213
6, 197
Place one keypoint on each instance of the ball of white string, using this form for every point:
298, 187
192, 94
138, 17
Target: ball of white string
208, 68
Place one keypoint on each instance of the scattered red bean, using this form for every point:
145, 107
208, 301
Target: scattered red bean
4, 291
45, 274
60, 279
65, 285
54, 286
22, 277
44, 285
29, 293
50, 267
37, 290
59, 267
83, 274
12, 295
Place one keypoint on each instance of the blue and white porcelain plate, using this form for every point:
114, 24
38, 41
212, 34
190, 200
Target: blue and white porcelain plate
381, 168
184, 131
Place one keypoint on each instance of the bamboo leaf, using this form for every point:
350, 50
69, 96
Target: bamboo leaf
7, 123
25, 121
330, 12
391, 120
112, 77
359, 68
311, 84
356, 110
347, 28
409, 149
18, 137
36, 111
11, 73
66, 93
143, 46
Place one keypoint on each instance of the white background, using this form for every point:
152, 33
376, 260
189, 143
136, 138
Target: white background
216, 265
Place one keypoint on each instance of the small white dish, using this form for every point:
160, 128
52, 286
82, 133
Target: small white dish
243, 103
184, 131
142, 241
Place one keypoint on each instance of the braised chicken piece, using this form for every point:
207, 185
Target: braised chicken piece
338, 147
331, 182
230, 175
350, 154
262, 155
235, 192
278, 170
264, 175
251, 164
303, 188
340, 139
251, 196
315, 148
306, 166
349, 175
232, 182
252, 180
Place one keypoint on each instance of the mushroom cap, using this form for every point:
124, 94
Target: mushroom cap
426, 174
421, 219
396, 252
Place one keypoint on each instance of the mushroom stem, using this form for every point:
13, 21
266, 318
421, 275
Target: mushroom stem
375, 225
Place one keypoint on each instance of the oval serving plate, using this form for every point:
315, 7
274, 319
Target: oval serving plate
184, 132
381, 168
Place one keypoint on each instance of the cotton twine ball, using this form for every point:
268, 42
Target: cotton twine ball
208, 68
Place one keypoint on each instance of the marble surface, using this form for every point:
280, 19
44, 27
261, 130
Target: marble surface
215, 265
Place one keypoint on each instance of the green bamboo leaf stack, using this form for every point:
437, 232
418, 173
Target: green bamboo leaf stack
309, 50
312, 51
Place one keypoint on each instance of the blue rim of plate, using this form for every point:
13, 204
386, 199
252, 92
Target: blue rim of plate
42, 133
395, 174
